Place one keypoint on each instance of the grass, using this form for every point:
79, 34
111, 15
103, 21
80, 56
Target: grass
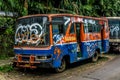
3, 57
6, 68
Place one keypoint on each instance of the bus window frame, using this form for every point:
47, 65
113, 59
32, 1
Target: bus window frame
72, 28
94, 28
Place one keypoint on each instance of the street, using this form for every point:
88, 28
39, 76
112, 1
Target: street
110, 71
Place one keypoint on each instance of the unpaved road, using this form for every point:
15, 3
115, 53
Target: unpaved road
107, 68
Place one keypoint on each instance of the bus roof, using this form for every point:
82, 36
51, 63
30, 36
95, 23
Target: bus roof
63, 14
113, 17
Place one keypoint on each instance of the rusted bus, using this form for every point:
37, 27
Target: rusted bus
114, 24
53, 40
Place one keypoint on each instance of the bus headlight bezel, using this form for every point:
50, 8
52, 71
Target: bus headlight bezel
43, 57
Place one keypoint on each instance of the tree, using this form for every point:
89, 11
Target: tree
24, 7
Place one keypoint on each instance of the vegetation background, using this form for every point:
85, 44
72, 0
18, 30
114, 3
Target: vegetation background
96, 8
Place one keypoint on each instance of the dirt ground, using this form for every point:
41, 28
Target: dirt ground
49, 74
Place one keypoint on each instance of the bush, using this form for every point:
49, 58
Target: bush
6, 37
6, 68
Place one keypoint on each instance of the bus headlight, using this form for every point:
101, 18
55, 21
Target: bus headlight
43, 57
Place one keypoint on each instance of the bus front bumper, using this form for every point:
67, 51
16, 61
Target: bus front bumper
31, 63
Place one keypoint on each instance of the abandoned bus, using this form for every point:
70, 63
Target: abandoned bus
54, 40
114, 24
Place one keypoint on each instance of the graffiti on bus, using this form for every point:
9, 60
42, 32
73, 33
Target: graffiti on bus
114, 29
29, 33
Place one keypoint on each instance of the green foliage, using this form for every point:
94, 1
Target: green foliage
7, 37
80, 7
24, 12
24, 7
6, 68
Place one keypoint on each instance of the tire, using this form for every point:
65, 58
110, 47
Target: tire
14, 64
95, 56
62, 66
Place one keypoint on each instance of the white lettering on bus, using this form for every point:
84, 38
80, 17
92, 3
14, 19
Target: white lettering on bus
29, 33
67, 20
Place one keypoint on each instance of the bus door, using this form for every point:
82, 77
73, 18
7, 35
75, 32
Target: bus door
102, 30
78, 39
102, 38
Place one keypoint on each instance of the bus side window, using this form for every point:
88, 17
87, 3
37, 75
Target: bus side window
55, 29
78, 31
90, 29
96, 28
87, 27
61, 29
72, 31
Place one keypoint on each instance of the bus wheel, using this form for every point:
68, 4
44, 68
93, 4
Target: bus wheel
62, 66
95, 56
14, 64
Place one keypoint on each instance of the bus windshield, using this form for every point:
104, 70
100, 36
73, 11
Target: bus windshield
32, 31
114, 28
59, 26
